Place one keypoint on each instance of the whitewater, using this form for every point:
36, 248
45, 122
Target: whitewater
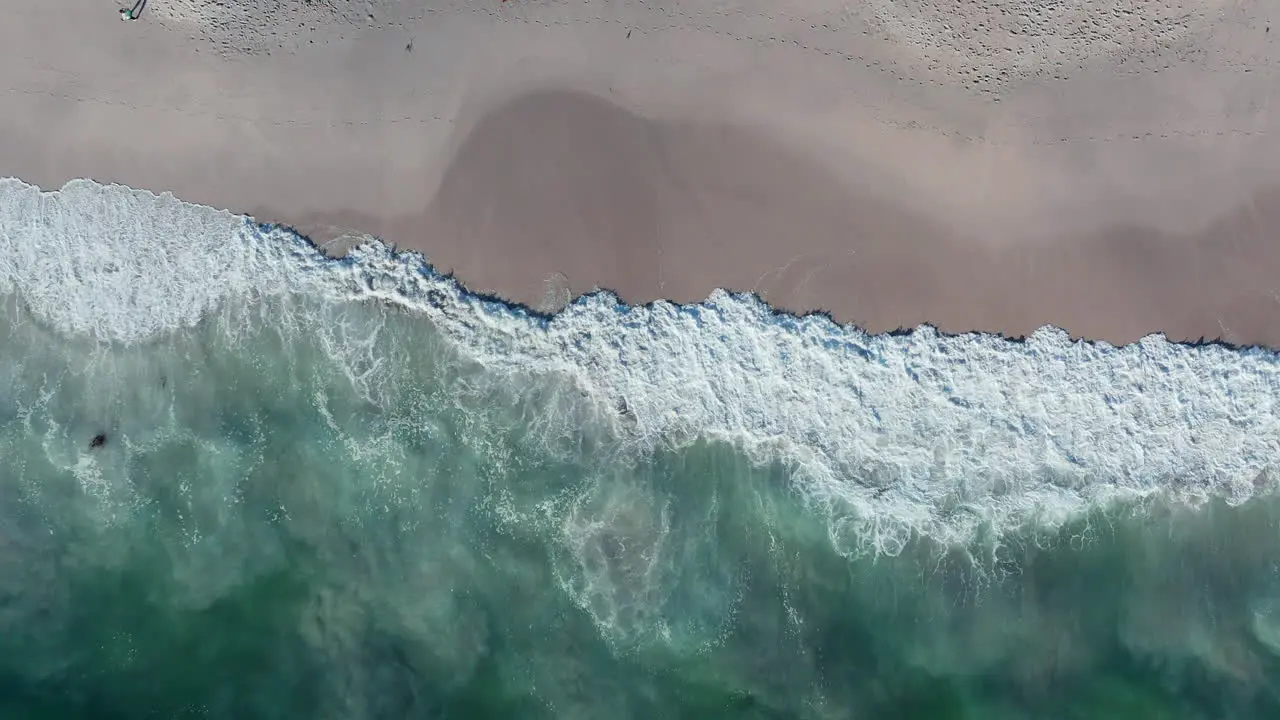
890, 436
242, 479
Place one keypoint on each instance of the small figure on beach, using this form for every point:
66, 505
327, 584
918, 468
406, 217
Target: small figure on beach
133, 13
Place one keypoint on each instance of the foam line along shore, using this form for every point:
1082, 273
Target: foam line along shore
890, 430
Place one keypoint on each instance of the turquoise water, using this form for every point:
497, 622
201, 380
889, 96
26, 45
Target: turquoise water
331, 505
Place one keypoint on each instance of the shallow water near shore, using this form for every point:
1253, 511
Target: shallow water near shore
314, 504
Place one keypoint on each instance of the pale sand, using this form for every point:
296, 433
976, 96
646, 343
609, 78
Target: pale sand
1091, 169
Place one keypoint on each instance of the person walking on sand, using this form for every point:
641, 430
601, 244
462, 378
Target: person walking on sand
133, 12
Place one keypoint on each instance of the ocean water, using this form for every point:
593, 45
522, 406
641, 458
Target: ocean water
241, 480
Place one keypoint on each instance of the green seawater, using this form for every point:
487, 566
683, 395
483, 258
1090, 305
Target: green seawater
318, 511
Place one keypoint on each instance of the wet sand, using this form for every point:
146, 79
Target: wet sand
571, 184
665, 150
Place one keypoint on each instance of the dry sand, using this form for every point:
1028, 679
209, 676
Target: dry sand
1106, 167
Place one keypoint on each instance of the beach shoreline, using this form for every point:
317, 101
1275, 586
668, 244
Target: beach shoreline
533, 152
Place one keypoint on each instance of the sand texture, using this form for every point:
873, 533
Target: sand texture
1106, 167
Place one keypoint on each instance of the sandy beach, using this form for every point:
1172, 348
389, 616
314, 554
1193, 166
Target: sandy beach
1107, 169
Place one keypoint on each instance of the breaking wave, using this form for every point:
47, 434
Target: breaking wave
890, 436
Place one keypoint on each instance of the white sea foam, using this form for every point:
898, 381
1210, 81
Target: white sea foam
891, 434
